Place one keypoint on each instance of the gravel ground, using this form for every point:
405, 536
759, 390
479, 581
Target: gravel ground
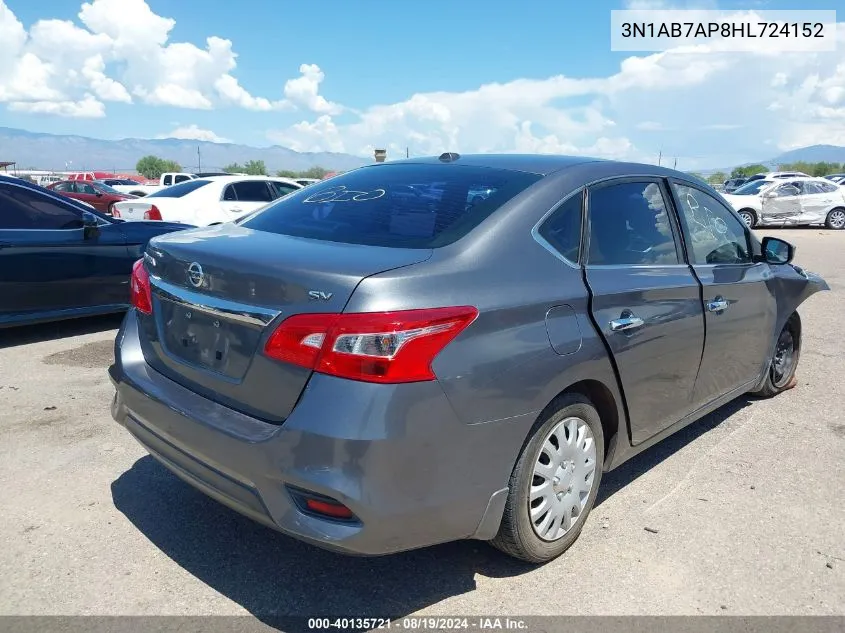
740, 513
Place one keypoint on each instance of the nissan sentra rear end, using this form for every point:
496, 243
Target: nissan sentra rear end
241, 368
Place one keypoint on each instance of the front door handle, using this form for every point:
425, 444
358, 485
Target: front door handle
717, 305
626, 324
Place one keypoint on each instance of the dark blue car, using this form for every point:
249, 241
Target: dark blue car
59, 258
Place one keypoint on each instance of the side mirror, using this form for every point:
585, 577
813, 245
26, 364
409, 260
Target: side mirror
90, 225
777, 251
99, 194
770, 194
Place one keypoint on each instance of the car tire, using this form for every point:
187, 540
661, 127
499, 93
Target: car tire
749, 217
570, 415
780, 375
835, 219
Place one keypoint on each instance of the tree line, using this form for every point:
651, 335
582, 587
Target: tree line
153, 167
819, 169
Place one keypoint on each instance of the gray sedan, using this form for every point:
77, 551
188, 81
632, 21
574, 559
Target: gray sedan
372, 372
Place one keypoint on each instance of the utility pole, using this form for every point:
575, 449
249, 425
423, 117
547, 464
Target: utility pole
675, 166
406, 152
199, 159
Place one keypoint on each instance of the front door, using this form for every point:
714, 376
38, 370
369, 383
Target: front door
46, 262
646, 302
740, 309
782, 204
88, 193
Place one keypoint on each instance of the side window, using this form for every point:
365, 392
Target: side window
789, 189
253, 191
629, 225
282, 189
63, 186
179, 179
562, 230
811, 188
168, 180
86, 188
716, 236
229, 193
22, 208
827, 187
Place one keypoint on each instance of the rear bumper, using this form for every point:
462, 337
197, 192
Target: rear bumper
397, 456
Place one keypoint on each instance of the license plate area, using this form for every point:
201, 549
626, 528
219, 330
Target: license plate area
207, 341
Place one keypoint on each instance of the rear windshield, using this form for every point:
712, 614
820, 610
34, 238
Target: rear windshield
401, 205
177, 191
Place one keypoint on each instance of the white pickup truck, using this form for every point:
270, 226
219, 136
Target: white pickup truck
167, 179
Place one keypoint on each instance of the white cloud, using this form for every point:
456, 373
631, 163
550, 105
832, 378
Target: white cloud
89, 107
194, 133
122, 52
304, 91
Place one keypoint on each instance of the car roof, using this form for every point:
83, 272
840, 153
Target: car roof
542, 164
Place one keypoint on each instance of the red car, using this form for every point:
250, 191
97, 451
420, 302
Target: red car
97, 194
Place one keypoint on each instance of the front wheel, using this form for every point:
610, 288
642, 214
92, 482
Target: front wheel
835, 219
784, 362
554, 484
749, 217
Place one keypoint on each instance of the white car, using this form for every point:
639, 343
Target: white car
204, 201
790, 202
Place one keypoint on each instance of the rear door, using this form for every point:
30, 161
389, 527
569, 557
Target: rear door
740, 310
820, 198
241, 198
646, 302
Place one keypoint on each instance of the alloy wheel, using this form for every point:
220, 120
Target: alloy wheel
836, 219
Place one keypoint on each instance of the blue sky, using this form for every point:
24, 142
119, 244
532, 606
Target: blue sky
377, 53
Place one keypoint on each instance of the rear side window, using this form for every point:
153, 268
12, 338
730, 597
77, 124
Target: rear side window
562, 231
182, 189
400, 205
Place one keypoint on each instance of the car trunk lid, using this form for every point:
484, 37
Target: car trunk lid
218, 293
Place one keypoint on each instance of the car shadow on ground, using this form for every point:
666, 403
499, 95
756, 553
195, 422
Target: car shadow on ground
26, 334
275, 577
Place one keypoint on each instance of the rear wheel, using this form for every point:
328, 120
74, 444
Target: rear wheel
784, 362
749, 217
835, 219
554, 484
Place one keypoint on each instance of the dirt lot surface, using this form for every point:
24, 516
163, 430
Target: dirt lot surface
741, 513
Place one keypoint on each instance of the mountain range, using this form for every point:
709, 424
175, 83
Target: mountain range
32, 150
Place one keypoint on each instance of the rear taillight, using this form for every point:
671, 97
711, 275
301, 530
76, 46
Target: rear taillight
115, 212
152, 213
140, 288
384, 347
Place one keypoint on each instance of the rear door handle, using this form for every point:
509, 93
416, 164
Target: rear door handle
626, 324
717, 305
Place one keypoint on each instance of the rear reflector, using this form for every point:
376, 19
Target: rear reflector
383, 347
326, 508
139, 288
152, 214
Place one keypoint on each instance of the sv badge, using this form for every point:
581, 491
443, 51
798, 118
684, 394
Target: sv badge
319, 295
